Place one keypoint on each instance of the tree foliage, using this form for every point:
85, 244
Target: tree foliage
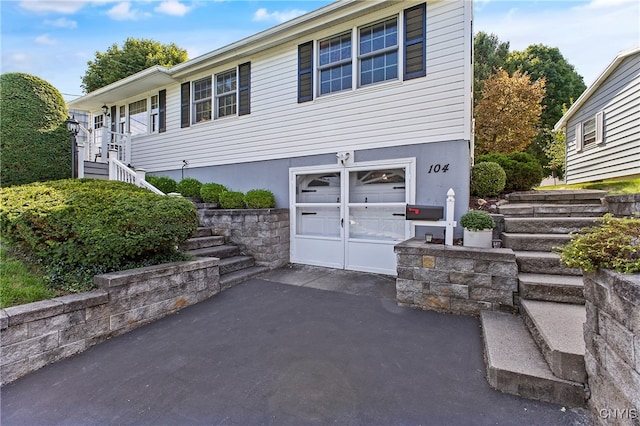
489, 54
563, 84
34, 141
508, 113
555, 153
134, 56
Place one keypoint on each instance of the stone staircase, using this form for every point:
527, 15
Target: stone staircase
234, 266
540, 354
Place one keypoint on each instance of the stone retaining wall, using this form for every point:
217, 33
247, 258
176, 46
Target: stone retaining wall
463, 280
261, 233
37, 334
623, 205
612, 338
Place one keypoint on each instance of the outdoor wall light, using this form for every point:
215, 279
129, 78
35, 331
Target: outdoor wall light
496, 243
428, 238
105, 110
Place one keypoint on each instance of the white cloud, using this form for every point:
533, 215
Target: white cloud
43, 6
62, 23
44, 39
278, 16
588, 37
172, 7
123, 12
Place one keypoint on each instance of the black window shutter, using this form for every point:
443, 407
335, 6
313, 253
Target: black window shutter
244, 94
185, 102
162, 111
114, 119
305, 72
415, 46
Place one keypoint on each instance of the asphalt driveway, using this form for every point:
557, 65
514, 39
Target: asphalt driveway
272, 353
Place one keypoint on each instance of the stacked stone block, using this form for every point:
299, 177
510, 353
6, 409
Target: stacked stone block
463, 280
612, 338
260, 233
37, 334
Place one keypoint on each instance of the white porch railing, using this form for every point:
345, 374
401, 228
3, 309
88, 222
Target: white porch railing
119, 171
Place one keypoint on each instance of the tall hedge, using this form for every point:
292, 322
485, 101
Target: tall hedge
89, 222
34, 141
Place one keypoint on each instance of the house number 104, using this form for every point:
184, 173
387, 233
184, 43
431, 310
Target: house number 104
438, 168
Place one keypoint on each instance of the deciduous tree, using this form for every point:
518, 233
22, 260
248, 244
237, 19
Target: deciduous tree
489, 54
134, 56
508, 114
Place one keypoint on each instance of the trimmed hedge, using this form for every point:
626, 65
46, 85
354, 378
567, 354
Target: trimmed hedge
232, 200
210, 192
34, 140
189, 187
163, 183
523, 170
93, 223
487, 179
260, 199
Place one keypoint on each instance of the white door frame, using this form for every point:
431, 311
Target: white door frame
409, 164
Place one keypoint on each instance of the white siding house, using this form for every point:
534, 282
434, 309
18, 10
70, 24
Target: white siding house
603, 126
346, 113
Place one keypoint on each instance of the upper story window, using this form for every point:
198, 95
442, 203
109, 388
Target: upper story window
334, 64
226, 93
379, 52
138, 118
378, 58
202, 91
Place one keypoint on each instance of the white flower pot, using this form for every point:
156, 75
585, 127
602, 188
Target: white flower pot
477, 238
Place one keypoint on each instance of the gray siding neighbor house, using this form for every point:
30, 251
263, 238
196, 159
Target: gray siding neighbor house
602, 127
346, 114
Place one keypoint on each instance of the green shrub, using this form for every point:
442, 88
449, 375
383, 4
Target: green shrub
260, 199
93, 224
163, 183
522, 169
487, 179
232, 200
189, 187
34, 141
210, 192
615, 244
477, 220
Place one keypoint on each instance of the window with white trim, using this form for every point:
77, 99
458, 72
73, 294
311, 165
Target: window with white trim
226, 93
138, 118
590, 132
378, 56
122, 119
335, 63
202, 91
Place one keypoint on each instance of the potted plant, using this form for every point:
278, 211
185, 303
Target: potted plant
478, 228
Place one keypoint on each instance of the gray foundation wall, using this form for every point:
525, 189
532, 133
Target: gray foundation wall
432, 181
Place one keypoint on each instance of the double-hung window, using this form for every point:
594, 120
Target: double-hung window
202, 100
154, 114
138, 118
122, 119
378, 56
334, 64
226, 93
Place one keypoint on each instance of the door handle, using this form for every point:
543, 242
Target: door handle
342, 223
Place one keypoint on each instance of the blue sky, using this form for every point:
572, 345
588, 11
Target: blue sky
54, 39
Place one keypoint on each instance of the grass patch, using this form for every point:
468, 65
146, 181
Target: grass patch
613, 187
20, 282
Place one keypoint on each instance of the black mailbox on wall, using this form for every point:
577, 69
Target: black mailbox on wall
416, 212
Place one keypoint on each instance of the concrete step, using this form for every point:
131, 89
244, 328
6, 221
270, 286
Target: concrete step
534, 242
541, 262
582, 196
547, 225
516, 366
551, 288
557, 330
220, 252
202, 242
203, 232
551, 210
235, 263
233, 278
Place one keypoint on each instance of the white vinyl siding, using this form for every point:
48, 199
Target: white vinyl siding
393, 113
615, 110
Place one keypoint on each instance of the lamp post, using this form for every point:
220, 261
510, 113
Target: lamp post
73, 127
